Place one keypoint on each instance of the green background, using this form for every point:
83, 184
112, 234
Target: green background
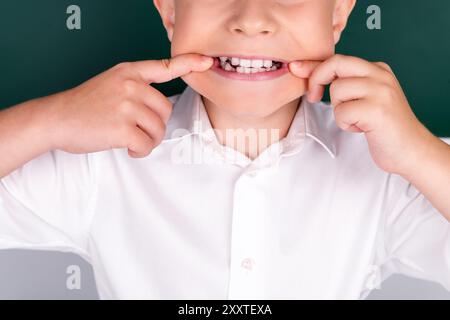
39, 55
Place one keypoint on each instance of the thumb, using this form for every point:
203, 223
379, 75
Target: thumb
303, 69
164, 70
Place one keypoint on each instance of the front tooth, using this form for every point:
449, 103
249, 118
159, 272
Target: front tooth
246, 63
235, 61
257, 63
247, 70
268, 63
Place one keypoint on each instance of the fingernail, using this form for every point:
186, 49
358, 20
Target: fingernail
206, 60
296, 64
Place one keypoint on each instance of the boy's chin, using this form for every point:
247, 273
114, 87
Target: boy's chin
245, 106
245, 98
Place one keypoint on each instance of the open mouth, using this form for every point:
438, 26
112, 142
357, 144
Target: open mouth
248, 66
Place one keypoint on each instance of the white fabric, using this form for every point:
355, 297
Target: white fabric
311, 218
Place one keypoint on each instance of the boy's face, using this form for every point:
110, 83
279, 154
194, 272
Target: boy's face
282, 29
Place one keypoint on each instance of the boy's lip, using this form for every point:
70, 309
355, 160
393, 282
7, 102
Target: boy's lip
252, 76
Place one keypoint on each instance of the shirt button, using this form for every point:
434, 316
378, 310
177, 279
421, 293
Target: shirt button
252, 174
247, 264
373, 279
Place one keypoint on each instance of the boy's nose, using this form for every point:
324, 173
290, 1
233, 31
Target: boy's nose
252, 18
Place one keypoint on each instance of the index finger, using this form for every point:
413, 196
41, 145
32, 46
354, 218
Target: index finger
340, 66
158, 71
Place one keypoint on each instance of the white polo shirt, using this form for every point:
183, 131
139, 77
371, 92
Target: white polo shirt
311, 218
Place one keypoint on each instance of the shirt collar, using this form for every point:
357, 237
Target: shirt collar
189, 117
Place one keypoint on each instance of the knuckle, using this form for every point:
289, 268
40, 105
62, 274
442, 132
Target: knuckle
386, 72
166, 64
340, 58
122, 66
383, 65
388, 77
129, 87
159, 130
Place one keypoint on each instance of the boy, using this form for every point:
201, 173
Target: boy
324, 201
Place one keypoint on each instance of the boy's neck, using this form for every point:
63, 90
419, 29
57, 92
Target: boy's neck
250, 135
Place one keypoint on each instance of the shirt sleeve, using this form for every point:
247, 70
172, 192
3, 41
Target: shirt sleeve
47, 203
416, 235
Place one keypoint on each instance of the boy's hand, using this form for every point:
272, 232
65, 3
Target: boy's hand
368, 98
118, 108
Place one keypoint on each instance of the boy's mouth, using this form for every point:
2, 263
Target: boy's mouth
247, 66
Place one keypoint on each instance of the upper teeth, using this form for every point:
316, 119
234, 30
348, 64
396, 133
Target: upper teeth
247, 63
242, 65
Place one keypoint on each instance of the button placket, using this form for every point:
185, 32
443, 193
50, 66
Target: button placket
246, 235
